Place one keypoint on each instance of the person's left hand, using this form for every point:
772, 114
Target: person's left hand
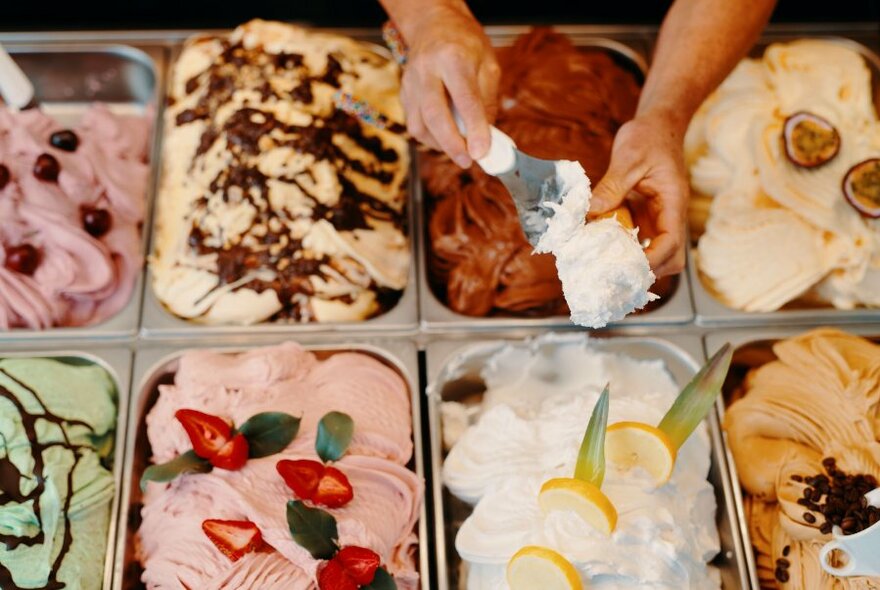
647, 158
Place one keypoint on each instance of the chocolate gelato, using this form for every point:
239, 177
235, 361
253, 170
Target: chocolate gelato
556, 101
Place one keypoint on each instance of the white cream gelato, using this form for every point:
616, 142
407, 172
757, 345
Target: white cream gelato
533, 416
274, 205
776, 232
604, 271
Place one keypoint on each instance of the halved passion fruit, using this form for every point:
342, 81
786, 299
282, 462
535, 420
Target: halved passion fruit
810, 140
861, 187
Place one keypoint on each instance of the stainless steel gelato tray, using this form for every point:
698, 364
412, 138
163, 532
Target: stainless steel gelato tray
710, 310
454, 374
68, 78
752, 349
629, 49
158, 322
117, 363
157, 365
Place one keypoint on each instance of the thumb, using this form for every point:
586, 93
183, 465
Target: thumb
609, 193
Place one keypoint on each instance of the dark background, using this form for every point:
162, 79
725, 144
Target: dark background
80, 14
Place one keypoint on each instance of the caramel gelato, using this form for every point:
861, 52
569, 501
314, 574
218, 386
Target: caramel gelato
778, 225
805, 436
274, 204
557, 101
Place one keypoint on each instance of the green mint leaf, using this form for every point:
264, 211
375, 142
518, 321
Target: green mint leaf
334, 435
590, 465
269, 433
382, 581
695, 400
188, 462
313, 528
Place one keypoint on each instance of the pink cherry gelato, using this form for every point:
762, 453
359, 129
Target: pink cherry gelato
387, 495
81, 277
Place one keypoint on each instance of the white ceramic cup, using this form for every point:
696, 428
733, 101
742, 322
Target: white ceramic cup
862, 549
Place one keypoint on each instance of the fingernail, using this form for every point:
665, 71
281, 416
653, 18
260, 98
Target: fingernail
463, 161
478, 148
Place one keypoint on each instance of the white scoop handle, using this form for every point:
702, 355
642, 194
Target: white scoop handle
501, 156
862, 549
17, 90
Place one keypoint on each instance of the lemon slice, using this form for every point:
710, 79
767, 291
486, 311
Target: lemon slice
540, 568
635, 444
583, 498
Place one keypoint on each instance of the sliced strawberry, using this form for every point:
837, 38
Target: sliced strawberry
333, 577
359, 563
233, 538
302, 476
334, 489
233, 455
207, 433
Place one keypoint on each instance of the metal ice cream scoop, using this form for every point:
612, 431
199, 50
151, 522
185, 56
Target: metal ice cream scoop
861, 551
531, 182
16, 89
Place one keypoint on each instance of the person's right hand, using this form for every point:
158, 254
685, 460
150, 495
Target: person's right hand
450, 57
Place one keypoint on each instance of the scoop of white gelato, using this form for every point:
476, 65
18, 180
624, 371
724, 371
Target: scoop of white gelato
604, 271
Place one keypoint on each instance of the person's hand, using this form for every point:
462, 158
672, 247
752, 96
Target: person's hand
647, 159
450, 57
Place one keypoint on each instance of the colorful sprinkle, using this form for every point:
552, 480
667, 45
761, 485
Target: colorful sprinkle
394, 41
360, 109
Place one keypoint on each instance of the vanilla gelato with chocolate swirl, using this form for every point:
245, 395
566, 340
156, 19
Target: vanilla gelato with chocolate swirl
274, 205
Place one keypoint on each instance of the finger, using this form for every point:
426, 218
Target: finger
661, 253
489, 79
673, 265
414, 123
611, 190
438, 119
462, 83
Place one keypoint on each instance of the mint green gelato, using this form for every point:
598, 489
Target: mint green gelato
56, 437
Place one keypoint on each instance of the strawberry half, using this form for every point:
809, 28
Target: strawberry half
233, 538
333, 577
233, 455
302, 476
359, 563
207, 433
334, 489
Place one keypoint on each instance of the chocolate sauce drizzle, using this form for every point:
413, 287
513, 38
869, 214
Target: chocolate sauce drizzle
251, 131
11, 478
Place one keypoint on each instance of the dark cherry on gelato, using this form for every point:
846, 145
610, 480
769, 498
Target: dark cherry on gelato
47, 168
861, 187
557, 101
96, 221
810, 141
23, 258
65, 140
4, 176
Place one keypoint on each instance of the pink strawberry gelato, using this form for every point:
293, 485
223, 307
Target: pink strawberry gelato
80, 278
286, 378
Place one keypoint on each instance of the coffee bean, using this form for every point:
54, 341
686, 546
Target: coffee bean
65, 140
797, 478
47, 168
786, 550
808, 517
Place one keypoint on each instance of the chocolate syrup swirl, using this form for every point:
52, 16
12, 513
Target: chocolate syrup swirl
11, 479
249, 132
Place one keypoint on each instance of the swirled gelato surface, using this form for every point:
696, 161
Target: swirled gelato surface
275, 205
557, 101
777, 233
529, 428
817, 400
75, 277
285, 378
57, 426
